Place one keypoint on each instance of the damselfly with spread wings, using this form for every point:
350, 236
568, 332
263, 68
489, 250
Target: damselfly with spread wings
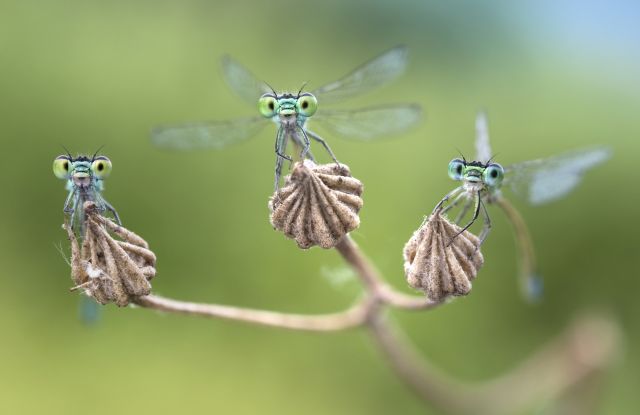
291, 112
538, 181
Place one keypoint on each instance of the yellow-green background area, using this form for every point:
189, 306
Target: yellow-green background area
553, 76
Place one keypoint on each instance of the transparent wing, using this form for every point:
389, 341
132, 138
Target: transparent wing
370, 123
372, 74
483, 147
203, 135
544, 180
242, 81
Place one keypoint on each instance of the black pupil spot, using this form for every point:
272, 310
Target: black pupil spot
100, 166
459, 169
271, 105
65, 165
494, 173
305, 105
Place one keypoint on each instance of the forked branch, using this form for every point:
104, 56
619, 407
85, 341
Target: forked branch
584, 350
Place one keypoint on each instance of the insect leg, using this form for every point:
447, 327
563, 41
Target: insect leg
67, 208
111, 209
454, 203
306, 148
476, 213
323, 142
464, 211
487, 223
76, 200
281, 143
305, 145
446, 198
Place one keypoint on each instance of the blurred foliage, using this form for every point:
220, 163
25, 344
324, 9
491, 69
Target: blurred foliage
552, 76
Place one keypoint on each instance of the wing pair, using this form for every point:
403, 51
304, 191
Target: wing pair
362, 124
543, 180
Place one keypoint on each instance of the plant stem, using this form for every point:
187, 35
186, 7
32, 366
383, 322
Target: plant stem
575, 357
352, 317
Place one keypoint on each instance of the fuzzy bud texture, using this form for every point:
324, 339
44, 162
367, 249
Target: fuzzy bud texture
440, 263
105, 268
318, 204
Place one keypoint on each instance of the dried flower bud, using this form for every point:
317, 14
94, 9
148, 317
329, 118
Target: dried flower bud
318, 204
440, 260
110, 270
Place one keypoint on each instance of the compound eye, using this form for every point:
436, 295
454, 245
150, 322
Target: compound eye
268, 105
307, 105
61, 166
456, 169
493, 174
101, 167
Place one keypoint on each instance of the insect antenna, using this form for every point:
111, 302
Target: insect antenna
461, 155
97, 151
491, 158
67, 151
301, 88
275, 94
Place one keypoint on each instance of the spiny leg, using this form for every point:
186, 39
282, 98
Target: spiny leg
306, 144
67, 208
487, 223
279, 161
476, 213
74, 210
446, 198
111, 209
323, 142
299, 142
454, 203
281, 143
464, 211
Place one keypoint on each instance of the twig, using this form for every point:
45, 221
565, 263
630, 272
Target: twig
585, 349
372, 280
578, 355
352, 317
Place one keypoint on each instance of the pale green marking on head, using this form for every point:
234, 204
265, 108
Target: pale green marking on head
271, 105
490, 174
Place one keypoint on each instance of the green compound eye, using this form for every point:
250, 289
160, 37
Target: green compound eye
493, 174
101, 167
268, 105
456, 169
307, 105
61, 167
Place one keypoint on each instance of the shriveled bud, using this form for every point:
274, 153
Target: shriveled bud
440, 260
318, 204
107, 269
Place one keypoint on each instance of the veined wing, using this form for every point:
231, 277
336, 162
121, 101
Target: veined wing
372, 74
203, 135
483, 147
370, 123
545, 180
242, 81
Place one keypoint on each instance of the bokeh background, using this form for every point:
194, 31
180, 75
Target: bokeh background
553, 76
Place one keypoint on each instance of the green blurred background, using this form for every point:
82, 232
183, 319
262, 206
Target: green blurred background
552, 75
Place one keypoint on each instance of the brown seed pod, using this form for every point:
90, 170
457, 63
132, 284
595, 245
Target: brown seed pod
318, 204
107, 269
440, 263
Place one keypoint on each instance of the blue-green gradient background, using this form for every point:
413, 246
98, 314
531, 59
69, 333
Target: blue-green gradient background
553, 76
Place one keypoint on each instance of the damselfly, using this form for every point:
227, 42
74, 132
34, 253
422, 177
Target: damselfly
84, 178
84, 181
291, 112
539, 181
